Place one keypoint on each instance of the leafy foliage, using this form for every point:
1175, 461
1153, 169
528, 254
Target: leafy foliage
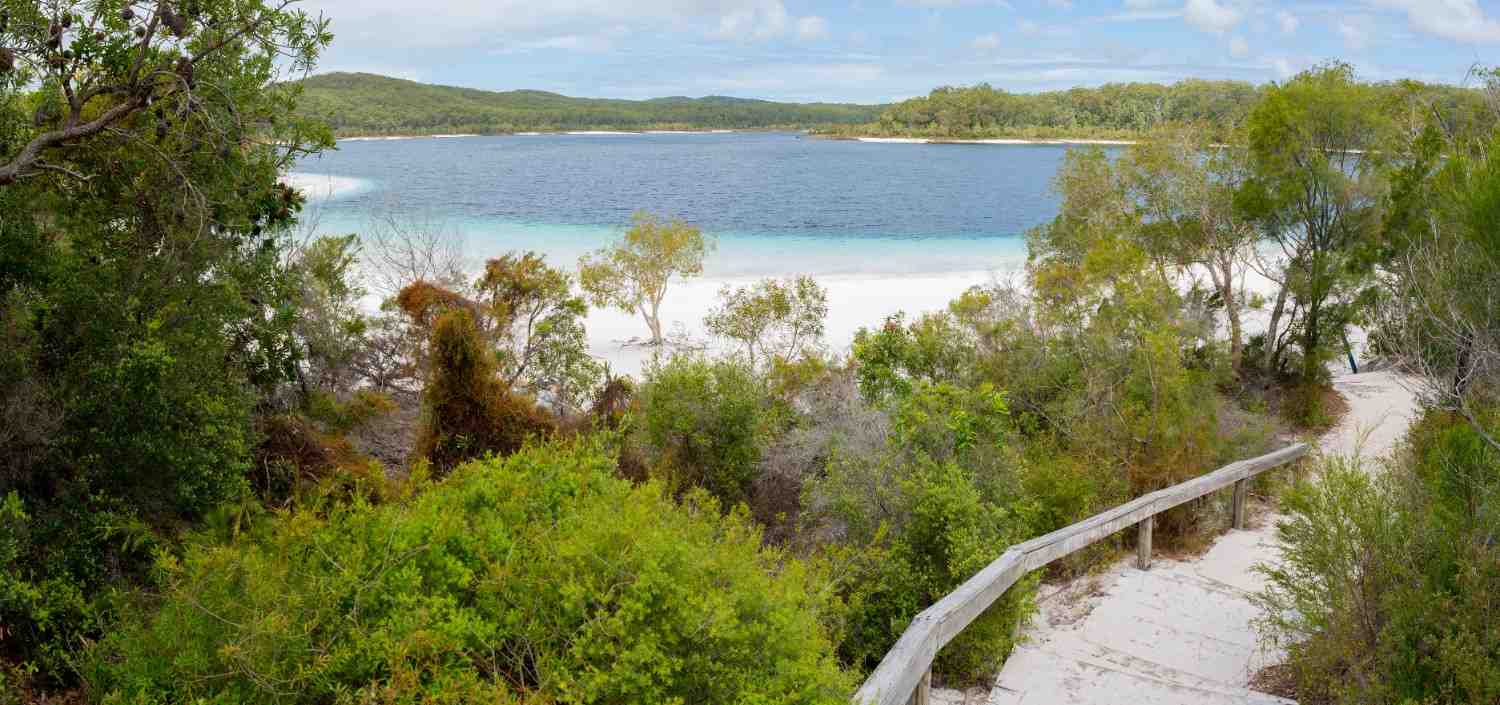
706, 422
537, 578
921, 515
776, 319
1385, 593
537, 321
144, 291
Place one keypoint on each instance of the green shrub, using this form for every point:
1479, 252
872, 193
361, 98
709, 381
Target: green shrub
1386, 593
944, 533
540, 577
50, 599
706, 422
919, 517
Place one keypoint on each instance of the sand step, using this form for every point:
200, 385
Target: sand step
1070, 680
1172, 634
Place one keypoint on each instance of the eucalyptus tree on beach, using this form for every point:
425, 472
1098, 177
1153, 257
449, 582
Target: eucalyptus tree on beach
1316, 191
772, 318
633, 273
1185, 186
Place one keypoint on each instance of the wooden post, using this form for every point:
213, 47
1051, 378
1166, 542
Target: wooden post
1143, 543
923, 694
1241, 491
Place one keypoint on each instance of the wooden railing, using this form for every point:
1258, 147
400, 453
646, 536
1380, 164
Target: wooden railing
905, 674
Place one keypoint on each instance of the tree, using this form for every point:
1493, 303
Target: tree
537, 323
114, 72
143, 233
331, 327
1185, 187
632, 274
405, 246
1315, 191
1440, 315
772, 318
467, 411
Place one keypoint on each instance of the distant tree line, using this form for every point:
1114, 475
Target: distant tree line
1120, 109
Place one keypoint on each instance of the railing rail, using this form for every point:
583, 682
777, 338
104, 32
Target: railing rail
904, 675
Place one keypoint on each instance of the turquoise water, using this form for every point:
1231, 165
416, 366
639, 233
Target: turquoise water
776, 203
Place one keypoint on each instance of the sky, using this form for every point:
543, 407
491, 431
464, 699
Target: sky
875, 51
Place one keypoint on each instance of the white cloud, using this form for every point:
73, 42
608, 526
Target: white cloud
794, 76
812, 27
386, 25
1028, 27
1238, 47
565, 42
986, 42
1003, 4
1354, 33
1288, 22
1458, 20
761, 20
1210, 16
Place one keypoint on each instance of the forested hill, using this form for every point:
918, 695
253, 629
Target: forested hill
367, 104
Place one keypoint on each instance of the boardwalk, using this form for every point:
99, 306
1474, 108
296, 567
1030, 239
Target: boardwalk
1182, 632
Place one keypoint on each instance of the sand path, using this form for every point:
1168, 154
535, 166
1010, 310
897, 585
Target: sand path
1182, 632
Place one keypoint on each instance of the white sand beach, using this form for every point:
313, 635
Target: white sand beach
853, 302
996, 141
387, 138
324, 186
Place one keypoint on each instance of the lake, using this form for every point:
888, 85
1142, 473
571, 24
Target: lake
886, 227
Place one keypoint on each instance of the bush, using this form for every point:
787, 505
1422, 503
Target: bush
942, 532
1386, 593
706, 422
295, 460
468, 411
538, 578
917, 518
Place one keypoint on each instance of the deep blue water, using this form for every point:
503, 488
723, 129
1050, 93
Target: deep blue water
776, 202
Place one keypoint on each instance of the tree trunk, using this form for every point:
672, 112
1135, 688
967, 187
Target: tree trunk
1271, 352
653, 321
1224, 279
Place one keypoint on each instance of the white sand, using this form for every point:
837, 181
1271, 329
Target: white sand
387, 138
853, 302
318, 187
998, 141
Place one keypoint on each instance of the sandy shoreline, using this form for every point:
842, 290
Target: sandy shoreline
854, 302
998, 140
531, 133
387, 138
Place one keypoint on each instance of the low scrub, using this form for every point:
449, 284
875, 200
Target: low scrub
537, 578
1386, 593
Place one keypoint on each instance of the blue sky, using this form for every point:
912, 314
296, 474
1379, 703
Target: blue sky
883, 50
